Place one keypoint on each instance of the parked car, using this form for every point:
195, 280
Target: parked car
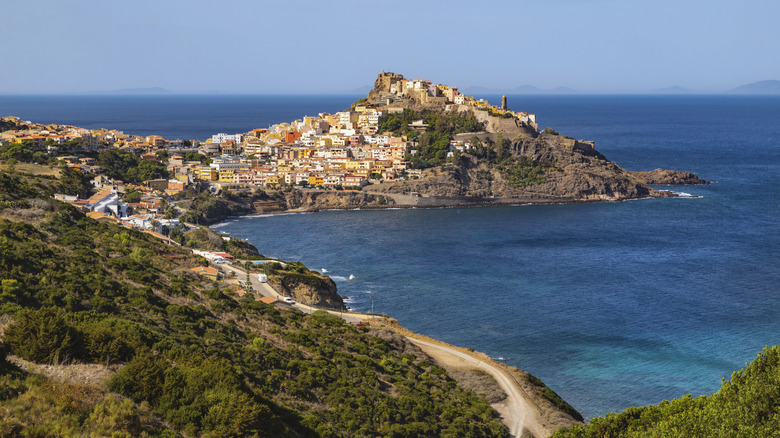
288, 300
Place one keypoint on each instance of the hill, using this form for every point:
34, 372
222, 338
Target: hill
187, 355
745, 406
470, 152
761, 87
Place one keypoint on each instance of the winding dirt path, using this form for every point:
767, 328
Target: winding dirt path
517, 411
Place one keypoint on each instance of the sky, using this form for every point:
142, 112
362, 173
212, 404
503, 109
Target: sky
304, 47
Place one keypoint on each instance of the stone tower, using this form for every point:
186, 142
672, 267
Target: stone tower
503, 102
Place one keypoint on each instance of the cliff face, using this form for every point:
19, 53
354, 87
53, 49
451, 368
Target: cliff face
669, 177
568, 171
310, 200
309, 289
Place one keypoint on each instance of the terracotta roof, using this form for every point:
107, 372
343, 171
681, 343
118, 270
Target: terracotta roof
205, 270
269, 300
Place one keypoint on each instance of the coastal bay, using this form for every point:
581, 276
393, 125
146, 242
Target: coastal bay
612, 305
706, 258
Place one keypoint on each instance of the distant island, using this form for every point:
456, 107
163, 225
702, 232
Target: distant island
761, 87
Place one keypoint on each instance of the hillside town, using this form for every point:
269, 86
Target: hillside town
341, 151
328, 151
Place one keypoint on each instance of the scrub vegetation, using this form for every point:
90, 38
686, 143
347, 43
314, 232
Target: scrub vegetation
192, 359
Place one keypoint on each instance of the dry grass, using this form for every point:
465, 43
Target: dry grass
80, 373
479, 382
34, 169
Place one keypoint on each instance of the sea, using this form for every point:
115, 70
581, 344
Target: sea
612, 305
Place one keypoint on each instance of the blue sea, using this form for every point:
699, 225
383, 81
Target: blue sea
612, 305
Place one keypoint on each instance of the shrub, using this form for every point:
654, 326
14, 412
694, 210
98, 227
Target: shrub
43, 336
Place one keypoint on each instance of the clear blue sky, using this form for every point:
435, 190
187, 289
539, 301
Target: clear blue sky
197, 46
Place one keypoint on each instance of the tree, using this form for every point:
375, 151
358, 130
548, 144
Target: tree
75, 182
132, 195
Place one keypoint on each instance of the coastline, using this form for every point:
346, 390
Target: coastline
527, 406
434, 202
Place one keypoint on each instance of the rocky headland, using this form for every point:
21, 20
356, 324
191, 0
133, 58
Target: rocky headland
509, 161
662, 177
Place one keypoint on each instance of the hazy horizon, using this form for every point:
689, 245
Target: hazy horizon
236, 47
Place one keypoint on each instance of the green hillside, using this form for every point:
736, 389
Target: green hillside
186, 357
748, 405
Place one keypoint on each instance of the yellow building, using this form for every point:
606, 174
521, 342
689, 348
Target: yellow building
316, 180
226, 175
207, 173
272, 181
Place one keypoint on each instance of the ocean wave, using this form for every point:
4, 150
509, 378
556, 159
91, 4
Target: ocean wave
261, 216
324, 271
683, 194
228, 221
342, 278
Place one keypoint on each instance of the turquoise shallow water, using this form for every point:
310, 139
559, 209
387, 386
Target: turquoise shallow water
612, 305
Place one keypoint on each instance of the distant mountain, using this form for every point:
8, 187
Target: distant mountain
761, 87
136, 91
676, 89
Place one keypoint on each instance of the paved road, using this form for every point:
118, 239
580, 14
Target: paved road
263, 289
267, 290
518, 413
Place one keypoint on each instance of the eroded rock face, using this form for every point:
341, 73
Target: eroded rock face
331, 199
669, 177
573, 172
309, 289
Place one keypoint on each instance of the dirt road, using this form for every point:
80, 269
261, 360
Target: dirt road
517, 411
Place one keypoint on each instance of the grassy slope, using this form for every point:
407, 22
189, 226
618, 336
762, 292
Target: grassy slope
196, 361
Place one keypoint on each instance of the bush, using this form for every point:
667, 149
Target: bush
43, 336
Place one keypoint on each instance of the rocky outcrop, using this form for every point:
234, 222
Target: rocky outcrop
310, 289
312, 200
573, 171
664, 177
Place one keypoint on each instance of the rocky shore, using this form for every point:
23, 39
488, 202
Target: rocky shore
664, 177
572, 172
